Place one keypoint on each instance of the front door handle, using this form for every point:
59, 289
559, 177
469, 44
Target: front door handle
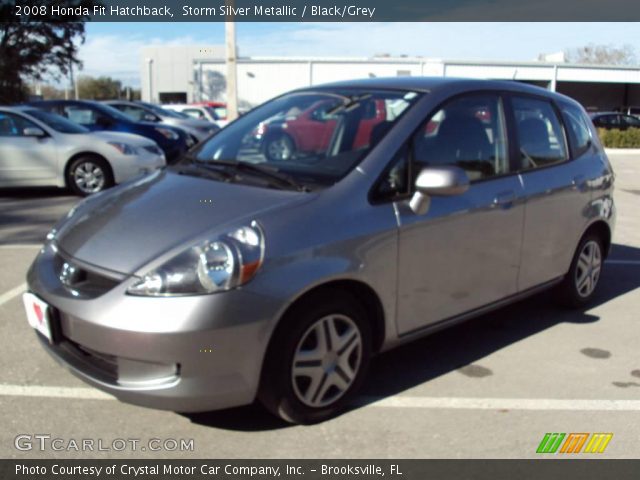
504, 199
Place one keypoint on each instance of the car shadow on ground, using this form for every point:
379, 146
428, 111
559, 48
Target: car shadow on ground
27, 214
456, 348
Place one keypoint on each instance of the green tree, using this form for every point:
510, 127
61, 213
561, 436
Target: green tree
34, 47
101, 88
602, 55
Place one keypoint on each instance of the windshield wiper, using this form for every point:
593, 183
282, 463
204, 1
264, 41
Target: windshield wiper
197, 167
269, 172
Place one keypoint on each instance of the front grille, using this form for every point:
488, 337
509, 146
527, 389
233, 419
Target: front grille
82, 282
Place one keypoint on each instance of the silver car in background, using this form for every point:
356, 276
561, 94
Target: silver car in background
148, 112
38, 148
230, 277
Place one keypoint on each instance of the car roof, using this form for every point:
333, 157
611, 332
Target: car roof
17, 108
433, 84
600, 114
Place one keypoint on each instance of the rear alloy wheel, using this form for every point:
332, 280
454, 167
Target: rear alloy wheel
279, 148
579, 285
89, 175
317, 359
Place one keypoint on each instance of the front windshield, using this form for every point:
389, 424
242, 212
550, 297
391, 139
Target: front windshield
57, 122
163, 112
112, 112
315, 137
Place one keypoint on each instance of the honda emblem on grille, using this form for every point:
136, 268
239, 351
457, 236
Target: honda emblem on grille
69, 274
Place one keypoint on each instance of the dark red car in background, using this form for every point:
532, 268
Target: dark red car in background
312, 130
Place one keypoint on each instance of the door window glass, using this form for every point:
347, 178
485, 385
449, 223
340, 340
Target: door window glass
13, 125
578, 128
540, 134
631, 121
467, 132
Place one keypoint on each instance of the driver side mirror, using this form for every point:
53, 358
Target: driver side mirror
34, 132
437, 181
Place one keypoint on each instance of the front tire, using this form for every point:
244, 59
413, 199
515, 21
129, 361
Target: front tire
317, 359
279, 148
579, 285
89, 174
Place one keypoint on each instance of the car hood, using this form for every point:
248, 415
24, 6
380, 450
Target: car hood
125, 228
130, 138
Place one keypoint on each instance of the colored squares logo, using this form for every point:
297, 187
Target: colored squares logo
574, 442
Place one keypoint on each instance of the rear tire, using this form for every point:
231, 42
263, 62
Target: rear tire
579, 285
317, 359
89, 174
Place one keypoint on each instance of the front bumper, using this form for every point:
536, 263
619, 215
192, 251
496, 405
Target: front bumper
126, 167
185, 354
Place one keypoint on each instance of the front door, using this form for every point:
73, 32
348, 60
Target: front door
464, 253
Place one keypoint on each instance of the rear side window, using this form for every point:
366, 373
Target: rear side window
578, 129
540, 134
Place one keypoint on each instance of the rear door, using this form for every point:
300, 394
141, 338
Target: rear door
555, 183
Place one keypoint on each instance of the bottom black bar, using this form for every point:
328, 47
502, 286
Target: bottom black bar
542, 469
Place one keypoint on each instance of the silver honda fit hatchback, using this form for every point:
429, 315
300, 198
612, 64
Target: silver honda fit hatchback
325, 226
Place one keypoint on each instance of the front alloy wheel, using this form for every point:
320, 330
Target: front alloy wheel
89, 174
279, 148
317, 358
326, 361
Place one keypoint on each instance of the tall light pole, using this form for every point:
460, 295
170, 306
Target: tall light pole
232, 71
150, 78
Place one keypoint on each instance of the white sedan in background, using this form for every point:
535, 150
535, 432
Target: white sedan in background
200, 112
38, 148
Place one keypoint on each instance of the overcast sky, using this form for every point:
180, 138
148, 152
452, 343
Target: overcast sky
113, 49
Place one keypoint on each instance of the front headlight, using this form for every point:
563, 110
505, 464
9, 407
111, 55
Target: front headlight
167, 133
123, 148
216, 265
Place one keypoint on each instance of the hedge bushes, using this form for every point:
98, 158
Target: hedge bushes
620, 138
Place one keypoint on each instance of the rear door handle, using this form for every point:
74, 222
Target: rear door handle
504, 199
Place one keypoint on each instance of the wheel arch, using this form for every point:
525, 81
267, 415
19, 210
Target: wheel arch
603, 230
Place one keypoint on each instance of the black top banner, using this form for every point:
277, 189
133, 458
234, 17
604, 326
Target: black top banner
328, 11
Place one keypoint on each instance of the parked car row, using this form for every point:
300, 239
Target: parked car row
38, 148
89, 146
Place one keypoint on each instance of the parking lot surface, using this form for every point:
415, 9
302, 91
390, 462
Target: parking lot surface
490, 388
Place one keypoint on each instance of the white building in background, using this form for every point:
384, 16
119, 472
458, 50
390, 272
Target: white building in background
197, 73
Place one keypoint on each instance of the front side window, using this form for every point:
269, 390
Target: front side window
13, 125
468, 132
81, 115
315, 137
540, 134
